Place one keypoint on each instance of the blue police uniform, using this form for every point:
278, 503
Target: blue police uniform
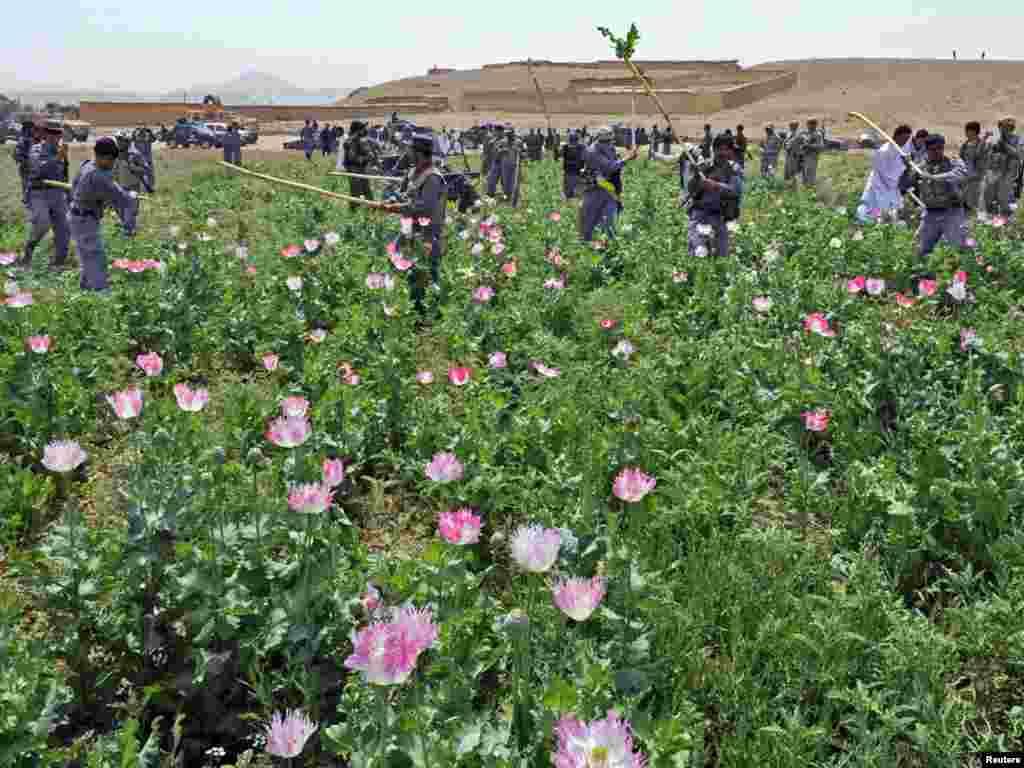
93, 190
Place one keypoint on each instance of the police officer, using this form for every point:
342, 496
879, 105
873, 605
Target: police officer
48, 205
232, 144
813, 146
794, 151
572, 164
487, 156
771, 145
715, 196
970, 153
359, 154
21, 153
941, 189
130, 173
308, 136
507, 155
94, 189
706, 145
144, 139
1002, 163
603, 192
426, 192
741, 147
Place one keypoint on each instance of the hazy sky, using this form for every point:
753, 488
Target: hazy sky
172, 44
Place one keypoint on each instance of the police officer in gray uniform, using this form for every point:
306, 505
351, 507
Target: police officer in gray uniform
505, 166
94, 189
359, 155
941, 189
130, 172
425, 190
21, 152
716, 198
144, 138
48, 205
232, 143
603, 190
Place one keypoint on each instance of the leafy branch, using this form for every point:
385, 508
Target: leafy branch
624, 48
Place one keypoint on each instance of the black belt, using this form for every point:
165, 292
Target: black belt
85, 214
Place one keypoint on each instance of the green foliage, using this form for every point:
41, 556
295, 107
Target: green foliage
625, 47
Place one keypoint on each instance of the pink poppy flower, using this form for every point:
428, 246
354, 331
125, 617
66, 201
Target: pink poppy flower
127, 404
498, 249
386, 652
317, 335
135, 267
554, 256
250, 270
150, 363
607, 324
817, 420
554, 216
312, 245
960, 277
968, 338
444, 468
483, 294
632, 484
904, 301
556, 284
762, 303
459, 527
401, 264
63, 456
856, 285
970, 242
535, 549
998, 221
425, 377
459, 375
286, 734
391, 247
375, 281
18, 300
310, 498
291, 251
927, 287
190, 400
817, 323
270, 362
423, 221
578, 598
370, 598
497, 360
680, 277
294, 407
606, 743
543, 370
333, 472
39, 344
875, 286
6, 259
509, 268
288, 433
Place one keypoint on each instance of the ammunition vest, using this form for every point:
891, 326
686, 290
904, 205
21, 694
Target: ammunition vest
940, 194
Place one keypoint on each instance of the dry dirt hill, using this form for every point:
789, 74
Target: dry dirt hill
938, 94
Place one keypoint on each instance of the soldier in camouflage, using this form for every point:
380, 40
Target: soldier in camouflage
359, 155
93, 190
48, 205
813, 145
771, 146
941, 191
794, 151
130, 172
21, 153
1001, 161
970, 153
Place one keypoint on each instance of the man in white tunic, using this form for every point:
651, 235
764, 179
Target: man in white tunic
882, 193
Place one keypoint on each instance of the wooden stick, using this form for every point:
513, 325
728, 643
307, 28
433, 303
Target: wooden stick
650, 91
364, 176
306, 187
65, 185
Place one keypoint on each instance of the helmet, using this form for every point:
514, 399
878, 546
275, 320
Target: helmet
106, 146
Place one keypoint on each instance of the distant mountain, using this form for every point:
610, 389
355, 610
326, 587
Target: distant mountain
262, 88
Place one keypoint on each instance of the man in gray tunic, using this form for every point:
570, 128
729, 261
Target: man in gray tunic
813, 146
1002, 158
232, 143
94, 189
48, 205
794, 151
942, 192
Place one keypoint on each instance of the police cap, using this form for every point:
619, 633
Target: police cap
106, 147
935, 140
724, 140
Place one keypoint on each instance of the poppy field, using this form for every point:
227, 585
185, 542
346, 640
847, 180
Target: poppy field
594, 506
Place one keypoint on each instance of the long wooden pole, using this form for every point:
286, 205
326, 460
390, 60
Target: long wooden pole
540, 93
364, 176
650, 93
65, 185
306, 187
